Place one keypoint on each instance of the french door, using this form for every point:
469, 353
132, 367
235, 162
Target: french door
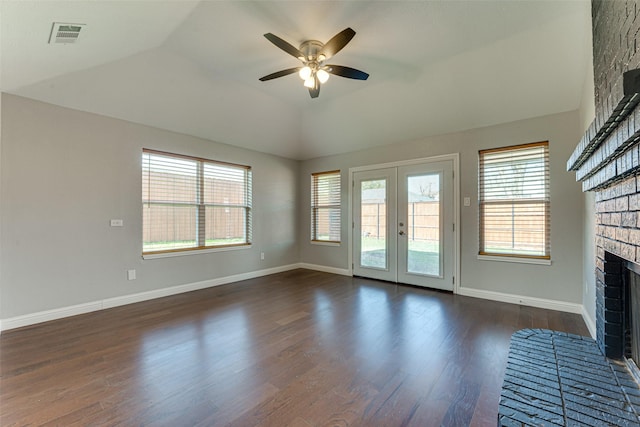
403, 224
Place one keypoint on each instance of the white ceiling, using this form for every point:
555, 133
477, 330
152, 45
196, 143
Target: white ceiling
193, 66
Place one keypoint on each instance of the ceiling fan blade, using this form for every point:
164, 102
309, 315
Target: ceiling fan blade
281, 73
290, 49
315, 91
348, 72
336, 44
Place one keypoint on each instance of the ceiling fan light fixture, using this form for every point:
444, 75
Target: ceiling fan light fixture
323, 76
313, 71
305, 72
310, 82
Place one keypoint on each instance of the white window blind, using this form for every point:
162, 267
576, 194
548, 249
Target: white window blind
514, 201
190, 203
325, 206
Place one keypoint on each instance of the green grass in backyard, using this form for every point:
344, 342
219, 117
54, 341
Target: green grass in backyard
422, 258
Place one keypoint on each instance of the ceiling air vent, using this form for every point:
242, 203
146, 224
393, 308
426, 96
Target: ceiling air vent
64, 33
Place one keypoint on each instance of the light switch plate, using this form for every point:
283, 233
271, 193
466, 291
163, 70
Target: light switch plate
467, 201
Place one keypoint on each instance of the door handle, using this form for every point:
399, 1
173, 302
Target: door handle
401, 233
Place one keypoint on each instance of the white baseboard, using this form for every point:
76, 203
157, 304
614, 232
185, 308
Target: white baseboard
45, 316
58, 313
522, 300
589, 322
174, 290
324, 268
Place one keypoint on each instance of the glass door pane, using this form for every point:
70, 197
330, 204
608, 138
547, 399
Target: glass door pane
423, 224
373, 223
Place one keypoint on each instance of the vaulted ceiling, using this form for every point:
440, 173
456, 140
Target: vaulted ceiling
193, 66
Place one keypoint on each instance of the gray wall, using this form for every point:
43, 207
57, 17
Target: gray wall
1, 314
66, 173
562, 281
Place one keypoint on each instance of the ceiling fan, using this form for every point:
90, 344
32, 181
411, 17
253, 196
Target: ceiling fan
313, 55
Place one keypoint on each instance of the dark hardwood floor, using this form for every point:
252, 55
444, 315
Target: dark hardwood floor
300, 348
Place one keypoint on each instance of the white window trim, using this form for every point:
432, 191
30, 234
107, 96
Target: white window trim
515, 259
196, 251
321, 243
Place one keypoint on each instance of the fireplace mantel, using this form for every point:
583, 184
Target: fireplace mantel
609, 150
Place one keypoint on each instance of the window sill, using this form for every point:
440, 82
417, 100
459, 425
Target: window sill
196, 252
318, 242
515, 259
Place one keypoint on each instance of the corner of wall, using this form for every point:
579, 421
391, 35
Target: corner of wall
1, 96
587, 112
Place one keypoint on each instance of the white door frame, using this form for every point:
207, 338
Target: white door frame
455, 157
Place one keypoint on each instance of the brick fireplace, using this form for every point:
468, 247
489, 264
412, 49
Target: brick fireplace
562, 379
607, 162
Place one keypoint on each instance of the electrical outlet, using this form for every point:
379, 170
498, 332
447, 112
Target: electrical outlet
131, 275
117, 223
262, 256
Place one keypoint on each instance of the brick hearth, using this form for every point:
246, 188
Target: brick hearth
559, 379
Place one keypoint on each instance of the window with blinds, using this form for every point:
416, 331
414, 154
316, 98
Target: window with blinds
325, 207
189, 203
514, 201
